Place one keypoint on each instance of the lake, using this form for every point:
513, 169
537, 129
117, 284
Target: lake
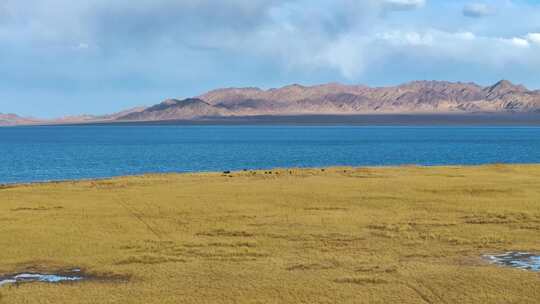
44, 153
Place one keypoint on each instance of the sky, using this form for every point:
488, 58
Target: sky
65, 57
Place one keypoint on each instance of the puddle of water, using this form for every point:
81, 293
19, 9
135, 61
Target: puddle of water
520, 260
38, 277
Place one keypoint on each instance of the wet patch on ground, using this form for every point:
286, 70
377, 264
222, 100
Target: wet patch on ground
29, 277
38, 274
519, 260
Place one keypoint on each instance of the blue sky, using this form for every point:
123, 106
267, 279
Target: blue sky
63, 57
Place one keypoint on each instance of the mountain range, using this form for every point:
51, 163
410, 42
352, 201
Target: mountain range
418, 97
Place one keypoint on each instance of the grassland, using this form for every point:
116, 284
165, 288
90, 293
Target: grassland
337, 235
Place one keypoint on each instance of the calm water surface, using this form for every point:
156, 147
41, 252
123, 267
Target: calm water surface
72, 152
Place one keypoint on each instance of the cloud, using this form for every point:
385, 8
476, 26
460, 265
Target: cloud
347, 36
354, 54
477, 10
519, 42
534, 38
404, 4
186, 46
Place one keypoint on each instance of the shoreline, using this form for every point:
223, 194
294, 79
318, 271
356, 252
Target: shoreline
383, 119
257, 171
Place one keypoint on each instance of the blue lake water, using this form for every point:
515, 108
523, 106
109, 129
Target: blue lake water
72, 152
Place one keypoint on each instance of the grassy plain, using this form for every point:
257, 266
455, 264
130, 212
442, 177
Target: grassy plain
337, 235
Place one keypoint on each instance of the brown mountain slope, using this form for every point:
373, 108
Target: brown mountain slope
171, 109
414, 97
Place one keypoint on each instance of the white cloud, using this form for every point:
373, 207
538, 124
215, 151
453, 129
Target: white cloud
403, 39
534, 38
519, 42
355, 54
347, 55
466, 35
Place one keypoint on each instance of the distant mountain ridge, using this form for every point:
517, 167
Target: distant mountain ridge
13, 120
417, 97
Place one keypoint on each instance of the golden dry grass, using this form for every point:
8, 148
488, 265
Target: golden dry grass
339, 235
